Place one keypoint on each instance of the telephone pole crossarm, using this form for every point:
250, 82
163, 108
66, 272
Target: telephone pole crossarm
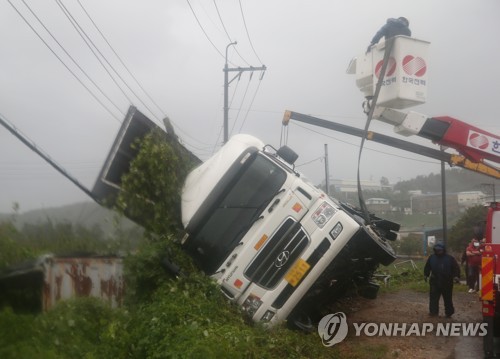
251, 68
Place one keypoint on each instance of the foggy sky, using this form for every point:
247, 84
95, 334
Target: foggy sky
305, 45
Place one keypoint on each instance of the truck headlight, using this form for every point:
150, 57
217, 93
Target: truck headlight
252, 304
268, 315
323, 214
336, 230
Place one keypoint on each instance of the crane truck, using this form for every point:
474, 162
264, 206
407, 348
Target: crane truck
478, 150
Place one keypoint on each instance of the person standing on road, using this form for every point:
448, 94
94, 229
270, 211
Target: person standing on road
473, 253
441, 269
393, 27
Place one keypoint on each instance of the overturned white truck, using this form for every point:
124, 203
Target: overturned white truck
278, 246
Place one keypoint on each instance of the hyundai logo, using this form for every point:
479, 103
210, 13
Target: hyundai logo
281, 259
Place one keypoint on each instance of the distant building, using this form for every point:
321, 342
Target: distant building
415, 192
378, 205
350, 186
471, 198
431, 203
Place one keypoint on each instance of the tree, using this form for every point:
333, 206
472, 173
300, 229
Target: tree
411, 245
151, 190
463, 230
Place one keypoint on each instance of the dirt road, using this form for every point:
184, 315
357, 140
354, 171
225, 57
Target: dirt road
412, 307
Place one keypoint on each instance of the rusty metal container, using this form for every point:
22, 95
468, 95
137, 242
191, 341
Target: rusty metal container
55, 278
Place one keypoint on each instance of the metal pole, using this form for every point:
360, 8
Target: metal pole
226, 86
327, 173
443, 201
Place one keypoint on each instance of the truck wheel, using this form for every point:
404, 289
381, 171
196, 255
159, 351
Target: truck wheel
300, 320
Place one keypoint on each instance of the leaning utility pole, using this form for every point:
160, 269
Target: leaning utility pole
240, 70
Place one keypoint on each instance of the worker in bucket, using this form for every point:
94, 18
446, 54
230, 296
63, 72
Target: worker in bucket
393, 27
441, 269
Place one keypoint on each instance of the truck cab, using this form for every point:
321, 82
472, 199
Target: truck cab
275, 243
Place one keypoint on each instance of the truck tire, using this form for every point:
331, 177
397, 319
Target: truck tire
300, 320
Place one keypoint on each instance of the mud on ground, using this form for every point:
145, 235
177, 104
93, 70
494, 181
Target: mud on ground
412, 307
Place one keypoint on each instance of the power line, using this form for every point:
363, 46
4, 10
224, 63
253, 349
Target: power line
63, 63
121, 61
309, 162
248, 34
234, 93
32, 146
251, 104
225, 30
71, 57
204, 32
239, 109
370, 149
88, 41
105, 59
179, 129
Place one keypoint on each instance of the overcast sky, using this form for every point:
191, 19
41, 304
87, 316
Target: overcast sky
305, 45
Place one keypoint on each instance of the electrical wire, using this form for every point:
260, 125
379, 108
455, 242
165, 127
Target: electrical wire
362, 203
356, 145
82, 32
71, 58
33, 146
239, 108
251, 104
63, 63
121, 61
248, 34
176, 126
225, 30
309, 162
234, 93
204, 32
87, 41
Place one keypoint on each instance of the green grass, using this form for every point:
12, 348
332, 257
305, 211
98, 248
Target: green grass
409, 275
177, 318
172, 318
404, 274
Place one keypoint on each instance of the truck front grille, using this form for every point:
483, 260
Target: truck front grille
278, 255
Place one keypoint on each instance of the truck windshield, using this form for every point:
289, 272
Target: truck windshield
249, 193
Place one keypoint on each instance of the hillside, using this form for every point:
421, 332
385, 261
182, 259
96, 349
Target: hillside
457, 180
86, 214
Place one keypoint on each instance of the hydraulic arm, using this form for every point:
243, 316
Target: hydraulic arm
470, 159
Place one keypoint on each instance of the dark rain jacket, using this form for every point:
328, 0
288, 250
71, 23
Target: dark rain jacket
393, 27
441, 269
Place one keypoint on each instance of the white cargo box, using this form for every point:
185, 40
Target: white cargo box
405, 81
